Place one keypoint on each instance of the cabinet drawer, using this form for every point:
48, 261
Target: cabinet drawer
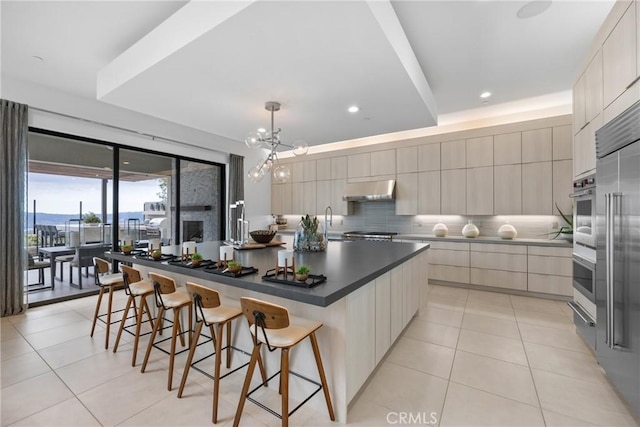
551, 252
447, 257
505, 249
557, 285
499, 279
558, 266
454, 246
497, 261
449, 273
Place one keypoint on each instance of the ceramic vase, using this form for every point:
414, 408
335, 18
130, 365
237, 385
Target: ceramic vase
470, 230
440, 230
507, 231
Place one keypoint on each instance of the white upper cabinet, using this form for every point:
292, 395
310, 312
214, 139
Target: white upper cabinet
407, 194
383, 163
579, 104
507, 148
429, 193
323, 169
537, 145
562, 143
593, 88
309, 172
453, 191
453, 155
297, 171
429, 157
619, 57
480, 191
339, 167
537, 187
479, 152
359, 165
507, 190
407, 159
323, 196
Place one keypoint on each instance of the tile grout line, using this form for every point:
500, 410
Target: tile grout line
535, 387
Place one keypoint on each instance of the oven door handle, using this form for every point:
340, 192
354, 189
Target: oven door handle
581, 314
581, 194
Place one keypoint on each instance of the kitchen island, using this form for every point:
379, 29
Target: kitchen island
372, 291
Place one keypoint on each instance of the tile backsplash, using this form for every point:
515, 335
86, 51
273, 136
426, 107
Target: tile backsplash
380, 216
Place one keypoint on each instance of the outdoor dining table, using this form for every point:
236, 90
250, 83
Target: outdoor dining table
52, 252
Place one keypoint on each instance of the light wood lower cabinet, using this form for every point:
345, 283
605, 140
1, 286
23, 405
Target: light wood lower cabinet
383, 315
550, 271
539, 269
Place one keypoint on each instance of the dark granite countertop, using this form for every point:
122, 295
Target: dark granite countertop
347, 266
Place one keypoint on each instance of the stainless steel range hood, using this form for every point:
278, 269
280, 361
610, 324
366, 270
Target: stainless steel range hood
372, 191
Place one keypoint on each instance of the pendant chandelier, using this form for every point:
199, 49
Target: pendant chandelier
262, 138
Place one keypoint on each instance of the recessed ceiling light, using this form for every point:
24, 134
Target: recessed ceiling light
485, 95
262, 130
533, 8
354, 109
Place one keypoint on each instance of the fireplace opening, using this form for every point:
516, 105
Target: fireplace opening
192, 231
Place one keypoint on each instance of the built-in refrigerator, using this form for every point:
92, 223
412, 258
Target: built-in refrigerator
618, 253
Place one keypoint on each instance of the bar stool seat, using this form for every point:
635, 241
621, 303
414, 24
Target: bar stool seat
209, 312
135, 287
270, 324
107, 282
297, 330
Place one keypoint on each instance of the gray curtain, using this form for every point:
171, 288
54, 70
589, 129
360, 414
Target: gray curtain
236, 192
13, 178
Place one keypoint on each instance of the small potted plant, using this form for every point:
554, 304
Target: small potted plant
302, 273
156, 254
126, 249
196, 259
234, 267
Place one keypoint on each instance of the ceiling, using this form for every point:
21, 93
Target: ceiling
212, 65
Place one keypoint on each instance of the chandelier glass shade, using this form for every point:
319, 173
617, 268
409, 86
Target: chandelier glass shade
271, 139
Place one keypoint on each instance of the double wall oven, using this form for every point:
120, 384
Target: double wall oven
584, 258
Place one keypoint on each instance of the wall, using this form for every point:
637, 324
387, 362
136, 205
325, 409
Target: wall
193, 143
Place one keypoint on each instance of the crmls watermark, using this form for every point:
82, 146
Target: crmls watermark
423, 418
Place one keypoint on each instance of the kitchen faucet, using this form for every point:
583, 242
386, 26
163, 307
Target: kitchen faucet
327, 211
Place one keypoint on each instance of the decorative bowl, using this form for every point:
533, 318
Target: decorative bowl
156, 255
302, 277
196, 262
127, 249
263, 236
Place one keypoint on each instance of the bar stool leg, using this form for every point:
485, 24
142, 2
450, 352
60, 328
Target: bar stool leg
192, 351
153, 337
143, 307
323, 378
216, 377
122, 322
95, 315
106, 340
228, 344
284, 384
174, 333
255, 354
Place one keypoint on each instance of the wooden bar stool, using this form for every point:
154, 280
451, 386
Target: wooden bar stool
108, 282
168, 298
270, 324
209, 312
135, 287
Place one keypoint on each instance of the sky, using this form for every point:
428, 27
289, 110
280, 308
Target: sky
63, 194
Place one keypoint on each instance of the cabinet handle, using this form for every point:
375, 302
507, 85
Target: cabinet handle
584, 126
632, 83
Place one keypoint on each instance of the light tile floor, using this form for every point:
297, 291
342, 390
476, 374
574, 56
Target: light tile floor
471, 358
